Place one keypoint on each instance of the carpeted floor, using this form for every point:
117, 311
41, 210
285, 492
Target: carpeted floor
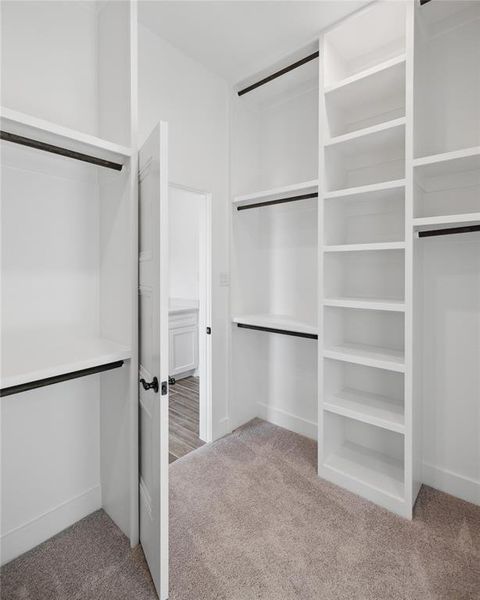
91, 560
249, 519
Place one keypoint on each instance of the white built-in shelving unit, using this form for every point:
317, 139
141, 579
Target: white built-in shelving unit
398, 152
364, 309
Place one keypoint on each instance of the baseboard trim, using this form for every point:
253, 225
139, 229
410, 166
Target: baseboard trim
222, 428
25, 537
284, 419
451, 483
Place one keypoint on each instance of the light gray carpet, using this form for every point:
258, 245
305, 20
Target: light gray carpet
251, 520
91, 560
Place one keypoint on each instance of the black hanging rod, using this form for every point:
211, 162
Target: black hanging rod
449, 231
273, 76
279, 201
24, 141
310, 336
31, 385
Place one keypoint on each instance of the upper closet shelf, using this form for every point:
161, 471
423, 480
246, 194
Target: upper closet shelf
426, 223
277, 323
61, 140
370, 83
280, 195
457, 161
366, 189
28, 358
367, 355
368, 133
385, 304
364, 247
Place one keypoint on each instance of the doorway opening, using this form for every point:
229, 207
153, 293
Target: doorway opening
190, 402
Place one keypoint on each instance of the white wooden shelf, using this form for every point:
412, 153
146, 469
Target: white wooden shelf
457, 161
370, 356
50, 133
365, 247
276, 322
376, 78
296, 189
367, 407
28, 357
374, 142
366, 303
369, 467
365, 189
367, 136
425, 223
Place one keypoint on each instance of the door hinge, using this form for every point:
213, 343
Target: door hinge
164, 388
209, 330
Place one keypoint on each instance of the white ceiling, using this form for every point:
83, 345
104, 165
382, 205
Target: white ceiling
237, 38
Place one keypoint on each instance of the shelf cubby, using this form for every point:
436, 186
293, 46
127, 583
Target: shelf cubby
369, 98
365, 394
373, 217
448, 184
447, 82
377, 157
371, 338
358, 43
375, 276
366, 455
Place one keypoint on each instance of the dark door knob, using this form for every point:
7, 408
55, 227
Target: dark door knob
153, 385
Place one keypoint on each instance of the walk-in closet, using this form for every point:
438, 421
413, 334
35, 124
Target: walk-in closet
240, 300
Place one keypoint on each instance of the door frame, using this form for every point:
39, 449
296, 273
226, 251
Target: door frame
204, 312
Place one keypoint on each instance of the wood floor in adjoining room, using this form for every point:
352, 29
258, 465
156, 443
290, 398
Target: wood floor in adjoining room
184, 418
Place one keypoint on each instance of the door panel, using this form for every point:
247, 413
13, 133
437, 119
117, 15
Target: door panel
153, 354
183, 350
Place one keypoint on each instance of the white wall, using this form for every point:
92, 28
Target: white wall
451, 365
175, 88
49, 61
50, 462
50, 270
184, 209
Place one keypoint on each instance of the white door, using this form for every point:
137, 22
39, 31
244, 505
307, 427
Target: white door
153, 354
